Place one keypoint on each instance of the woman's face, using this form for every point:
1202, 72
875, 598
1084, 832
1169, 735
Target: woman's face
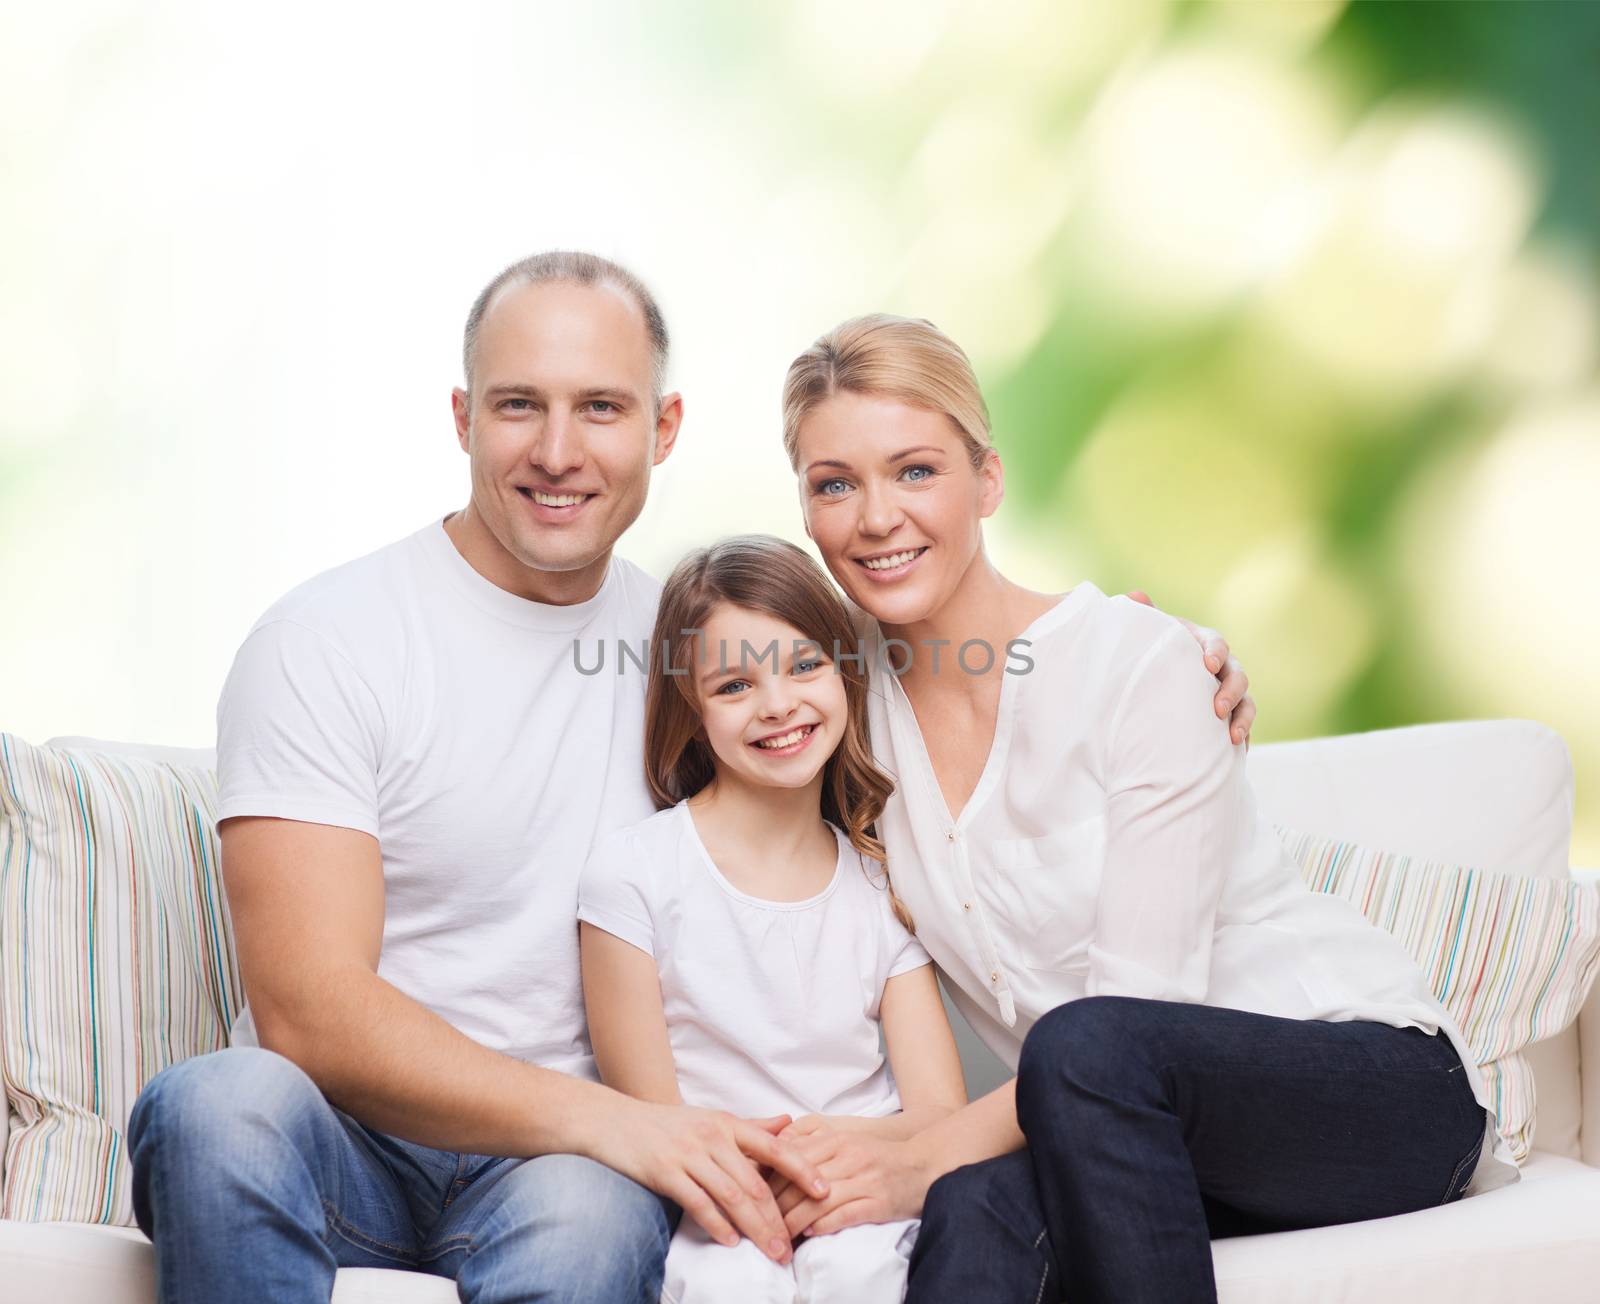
891, 499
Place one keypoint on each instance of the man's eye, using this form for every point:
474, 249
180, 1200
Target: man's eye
603, 406
516, 404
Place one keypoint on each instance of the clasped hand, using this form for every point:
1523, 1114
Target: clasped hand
871, 1179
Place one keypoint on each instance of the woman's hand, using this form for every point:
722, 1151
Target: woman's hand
871, 1179
1233, 700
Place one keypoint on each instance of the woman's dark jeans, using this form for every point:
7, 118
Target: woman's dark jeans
1153, 1127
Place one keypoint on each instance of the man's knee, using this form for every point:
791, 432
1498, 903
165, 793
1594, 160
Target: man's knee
211, 1101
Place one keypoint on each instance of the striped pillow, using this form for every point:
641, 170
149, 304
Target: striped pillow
116, 960
1510, 958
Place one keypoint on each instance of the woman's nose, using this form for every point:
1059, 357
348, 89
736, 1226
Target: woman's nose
880, 514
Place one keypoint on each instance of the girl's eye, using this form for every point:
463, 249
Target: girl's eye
805, 667
831, 488
727, 688
910, 472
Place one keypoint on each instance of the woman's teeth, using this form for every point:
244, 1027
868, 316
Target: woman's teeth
893, 559
788, 739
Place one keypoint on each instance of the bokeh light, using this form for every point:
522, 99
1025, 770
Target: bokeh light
1287, 313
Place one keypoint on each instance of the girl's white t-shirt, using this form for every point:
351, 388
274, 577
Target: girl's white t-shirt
771, 1006
1112, 847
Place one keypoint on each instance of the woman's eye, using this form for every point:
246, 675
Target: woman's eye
910, 472
830, 488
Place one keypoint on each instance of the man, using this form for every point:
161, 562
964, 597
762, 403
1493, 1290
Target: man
412, 773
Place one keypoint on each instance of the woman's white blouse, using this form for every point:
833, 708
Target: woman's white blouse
1112, 847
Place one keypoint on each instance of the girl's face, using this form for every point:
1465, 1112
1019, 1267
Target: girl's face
891, 499
772, 705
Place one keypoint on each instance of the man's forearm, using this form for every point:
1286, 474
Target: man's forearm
399, 1068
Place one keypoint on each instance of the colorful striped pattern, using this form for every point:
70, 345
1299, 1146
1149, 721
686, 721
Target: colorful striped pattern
116, 960
1511, 959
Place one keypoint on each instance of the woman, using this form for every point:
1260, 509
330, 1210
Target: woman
1203, 1047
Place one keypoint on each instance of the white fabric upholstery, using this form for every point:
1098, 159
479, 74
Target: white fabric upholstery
84, 1263
1493, 794
1537, 1240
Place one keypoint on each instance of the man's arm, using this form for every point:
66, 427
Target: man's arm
307, 907
1232, 702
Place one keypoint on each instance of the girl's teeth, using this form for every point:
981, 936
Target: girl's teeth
787, 740
891, 561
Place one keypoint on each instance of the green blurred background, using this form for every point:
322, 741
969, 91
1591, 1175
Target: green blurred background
1287, 312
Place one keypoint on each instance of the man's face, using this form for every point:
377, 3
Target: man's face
562, 433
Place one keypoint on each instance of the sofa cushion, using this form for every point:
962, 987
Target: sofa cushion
1534, 1240
1496, 794
117, 960
78, 1263
1510, 958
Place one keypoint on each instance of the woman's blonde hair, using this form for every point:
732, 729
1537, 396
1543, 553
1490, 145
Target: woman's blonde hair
903, 358
759, 573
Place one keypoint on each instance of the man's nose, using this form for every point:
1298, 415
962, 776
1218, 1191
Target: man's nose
559, 448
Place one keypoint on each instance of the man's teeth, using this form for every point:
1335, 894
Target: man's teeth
892, 560
557, 500
786, 740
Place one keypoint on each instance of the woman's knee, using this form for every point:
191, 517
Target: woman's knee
1096, 1047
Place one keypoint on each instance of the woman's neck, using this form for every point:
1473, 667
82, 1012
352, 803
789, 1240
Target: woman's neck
985, 606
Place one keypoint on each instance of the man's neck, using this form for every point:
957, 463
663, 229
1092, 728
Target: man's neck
488, 556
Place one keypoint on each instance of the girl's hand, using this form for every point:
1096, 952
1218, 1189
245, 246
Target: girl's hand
871, 1180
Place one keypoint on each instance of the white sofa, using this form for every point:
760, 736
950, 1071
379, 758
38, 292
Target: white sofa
1494, 795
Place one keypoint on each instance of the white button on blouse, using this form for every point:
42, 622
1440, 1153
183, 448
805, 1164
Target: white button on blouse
1112, 846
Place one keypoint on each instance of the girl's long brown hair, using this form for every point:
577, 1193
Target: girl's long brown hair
766, 574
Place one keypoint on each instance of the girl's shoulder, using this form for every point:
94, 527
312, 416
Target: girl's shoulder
633, 849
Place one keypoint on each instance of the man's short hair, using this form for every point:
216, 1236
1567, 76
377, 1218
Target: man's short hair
578, 268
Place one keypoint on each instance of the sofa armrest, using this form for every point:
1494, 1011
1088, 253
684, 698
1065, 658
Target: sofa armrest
1589, 1052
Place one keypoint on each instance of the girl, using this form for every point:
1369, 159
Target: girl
1203, 1047
742, 947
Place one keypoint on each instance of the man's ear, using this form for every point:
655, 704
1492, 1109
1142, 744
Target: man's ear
461, 409
991, 484
667, 424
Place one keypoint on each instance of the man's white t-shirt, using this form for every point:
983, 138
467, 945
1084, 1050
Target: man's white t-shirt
771, 1006
405, 695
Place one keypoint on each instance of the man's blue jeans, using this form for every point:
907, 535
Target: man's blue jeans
253, 1187
1153, 1127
